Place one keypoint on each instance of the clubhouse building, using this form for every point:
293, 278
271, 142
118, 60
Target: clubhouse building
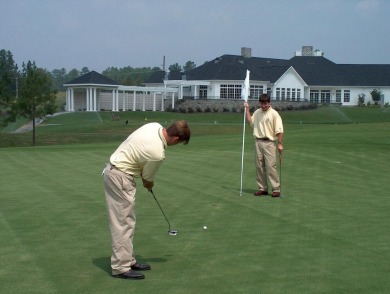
308, 76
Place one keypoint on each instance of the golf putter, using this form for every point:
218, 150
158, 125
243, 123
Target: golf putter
170, 232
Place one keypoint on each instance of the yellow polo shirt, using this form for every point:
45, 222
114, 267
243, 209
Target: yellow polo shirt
142, 153
266, 124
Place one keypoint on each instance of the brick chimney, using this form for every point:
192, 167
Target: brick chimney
246, 52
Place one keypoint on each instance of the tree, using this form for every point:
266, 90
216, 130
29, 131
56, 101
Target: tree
175, 68
9, 76
72, 74
376, 96
128, 75
188, 66
84, 70
361, 98
37, 98
59, 77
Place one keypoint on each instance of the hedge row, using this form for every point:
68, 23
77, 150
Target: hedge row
223, 105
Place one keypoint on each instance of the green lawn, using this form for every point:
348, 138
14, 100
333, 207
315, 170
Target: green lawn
329, 234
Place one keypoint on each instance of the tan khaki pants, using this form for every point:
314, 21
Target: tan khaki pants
266, 168
120, 191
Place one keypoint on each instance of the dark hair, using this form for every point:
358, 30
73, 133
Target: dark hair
180, 129
264, 98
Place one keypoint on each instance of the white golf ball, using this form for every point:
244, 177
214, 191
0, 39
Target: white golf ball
204, 227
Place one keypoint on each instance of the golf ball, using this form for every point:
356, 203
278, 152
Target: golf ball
204, 227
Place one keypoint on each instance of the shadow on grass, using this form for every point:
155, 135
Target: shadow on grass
104, 262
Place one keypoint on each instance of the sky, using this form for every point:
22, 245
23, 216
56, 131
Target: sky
99, 34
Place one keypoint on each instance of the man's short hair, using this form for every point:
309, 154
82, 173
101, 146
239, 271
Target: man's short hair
180, 129
264, 98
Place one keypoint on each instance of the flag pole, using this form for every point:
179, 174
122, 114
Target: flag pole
244, 95
242, 153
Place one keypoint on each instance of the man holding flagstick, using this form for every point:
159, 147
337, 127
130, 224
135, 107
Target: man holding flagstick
267, 129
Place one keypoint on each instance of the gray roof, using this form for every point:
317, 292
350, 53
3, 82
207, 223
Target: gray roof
314, 70
93, 78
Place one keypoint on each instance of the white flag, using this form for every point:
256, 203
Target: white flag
245, 87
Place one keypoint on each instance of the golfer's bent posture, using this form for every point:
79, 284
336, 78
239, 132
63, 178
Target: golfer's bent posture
140, 155
267, 128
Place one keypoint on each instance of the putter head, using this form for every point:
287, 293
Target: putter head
172, 232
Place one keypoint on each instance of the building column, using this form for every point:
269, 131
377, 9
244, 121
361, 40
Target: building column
154, 101
173, 100
134, 100
94, 99
87, 99
67, 102
143, 101
71, 99
124, 100
117, 100
113, 100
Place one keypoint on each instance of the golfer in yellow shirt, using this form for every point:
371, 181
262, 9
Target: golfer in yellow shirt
140, 155
267, 129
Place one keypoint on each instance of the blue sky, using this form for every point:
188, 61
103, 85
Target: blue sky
102, 33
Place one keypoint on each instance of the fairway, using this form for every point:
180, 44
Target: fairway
329, 234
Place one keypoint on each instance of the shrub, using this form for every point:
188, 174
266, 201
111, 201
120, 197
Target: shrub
376, 96
361, 98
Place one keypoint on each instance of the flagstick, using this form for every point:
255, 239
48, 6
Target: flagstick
242, 155
244, 94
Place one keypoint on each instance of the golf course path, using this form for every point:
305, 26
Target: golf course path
29, 126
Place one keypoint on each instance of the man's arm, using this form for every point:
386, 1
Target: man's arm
247, 113
148, 185
280, 142
149, 171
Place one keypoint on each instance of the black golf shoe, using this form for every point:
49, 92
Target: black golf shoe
131, 274
141, 267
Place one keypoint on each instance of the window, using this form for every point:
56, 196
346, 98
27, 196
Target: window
325, 96
269, 92
230, 91
347, 95
314, 95
202, 91
338, 96
293, 94
255, 91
